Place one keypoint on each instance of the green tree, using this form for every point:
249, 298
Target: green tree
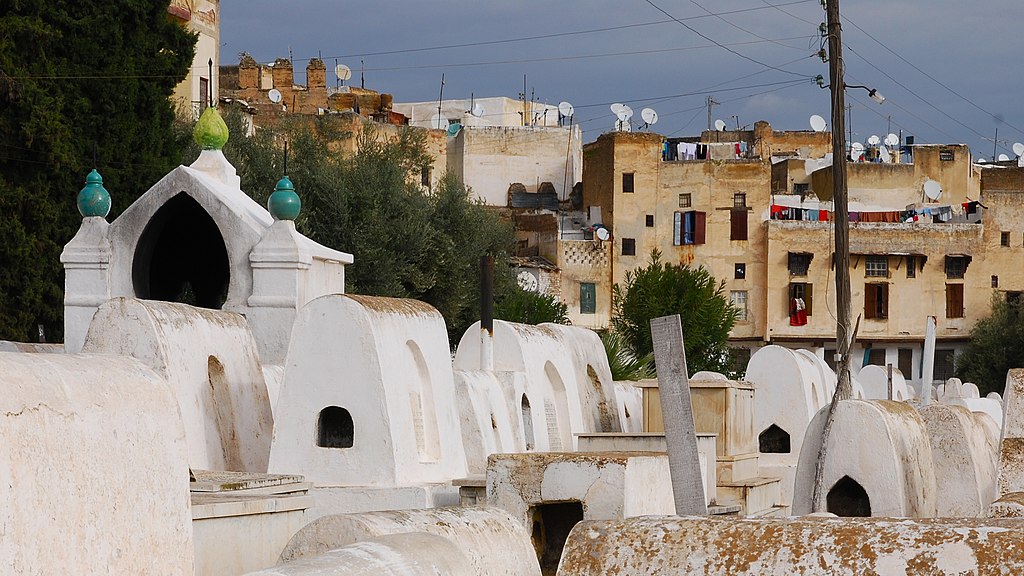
996, 345
623, 364
528, 307
661, 289
76, 79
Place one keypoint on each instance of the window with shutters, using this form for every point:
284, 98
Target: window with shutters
954, 300
738, 224
876, 301
803, 291
588, 298
911, 266
689, 228
627, 182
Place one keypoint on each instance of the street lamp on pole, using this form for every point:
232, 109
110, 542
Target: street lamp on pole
872, 93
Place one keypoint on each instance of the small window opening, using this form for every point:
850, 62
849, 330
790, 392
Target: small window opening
773, 440
335, 428
848, 498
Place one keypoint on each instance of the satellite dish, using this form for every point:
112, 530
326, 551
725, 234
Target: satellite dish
719, 125
527, 281
477, 111
980, 161
617, 108
892, 140
874, 140
343, 72
453, 129
274, 95
817, 123
627, 111
565, 109
932, 189
1018, 149
649, 115
1003, 157
602, 234
623, 126
857, 148
437, 122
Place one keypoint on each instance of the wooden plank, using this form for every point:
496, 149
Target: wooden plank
677, 411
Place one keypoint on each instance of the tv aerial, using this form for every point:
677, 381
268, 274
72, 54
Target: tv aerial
932, 189
1018, 149
275, 95
891, 140
817, 123
649, 116
720, 125
342, 72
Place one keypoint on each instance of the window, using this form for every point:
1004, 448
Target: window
944, 361
1013, 297
799, 262
204, 92
425, 176
649, 220
956, 266
876, 301
946, 155
800, 303
876, 266
739, 200
874, 357
588, 298
954, 300
629, 247
800, 189
738, 224
738, 298
627, 182
741, 271
684, 200
688, 228
1004, 239
911, 266
995, 281
334, 428
905, 362
739, 358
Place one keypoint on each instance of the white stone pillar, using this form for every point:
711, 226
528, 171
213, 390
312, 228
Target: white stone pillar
86, 262
279, 264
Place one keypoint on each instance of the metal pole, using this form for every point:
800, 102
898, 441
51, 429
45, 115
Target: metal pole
487, 312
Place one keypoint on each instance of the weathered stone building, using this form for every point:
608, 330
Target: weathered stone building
201, 17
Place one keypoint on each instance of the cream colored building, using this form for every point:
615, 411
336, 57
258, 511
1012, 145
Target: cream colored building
200, 17
718, 212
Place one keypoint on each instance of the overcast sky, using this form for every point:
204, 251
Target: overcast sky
950, 70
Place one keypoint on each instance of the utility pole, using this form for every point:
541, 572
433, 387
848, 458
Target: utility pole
711, 102
841, 223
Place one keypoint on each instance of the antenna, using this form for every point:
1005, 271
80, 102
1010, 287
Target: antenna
210, 95
1003, 157
285, 157
874, 140
1018, 149
649, 116
343, 73
566, 110
932, 189
891, 140
817, 123
275, 95
478, 110
719, 125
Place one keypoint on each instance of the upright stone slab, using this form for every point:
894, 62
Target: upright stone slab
680, 432
1011, 446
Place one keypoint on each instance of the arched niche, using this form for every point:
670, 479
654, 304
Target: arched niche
334, 428
181, 256
773, 440
848, 498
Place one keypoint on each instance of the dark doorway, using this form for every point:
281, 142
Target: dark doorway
334, 428
773, 440
552, 523
848, 498
181, 257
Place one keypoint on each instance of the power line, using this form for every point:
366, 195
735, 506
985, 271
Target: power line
724, 47
740, 28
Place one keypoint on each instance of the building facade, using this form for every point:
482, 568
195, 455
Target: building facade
201, 17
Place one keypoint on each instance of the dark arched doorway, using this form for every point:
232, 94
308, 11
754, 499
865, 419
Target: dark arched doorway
848, 498
181, 257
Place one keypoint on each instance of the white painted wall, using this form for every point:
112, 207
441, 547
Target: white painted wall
209, 359
94, 468
964, 452
386, 361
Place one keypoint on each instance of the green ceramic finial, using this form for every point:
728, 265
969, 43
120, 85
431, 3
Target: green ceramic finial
211, 133
284, 203
94, 200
